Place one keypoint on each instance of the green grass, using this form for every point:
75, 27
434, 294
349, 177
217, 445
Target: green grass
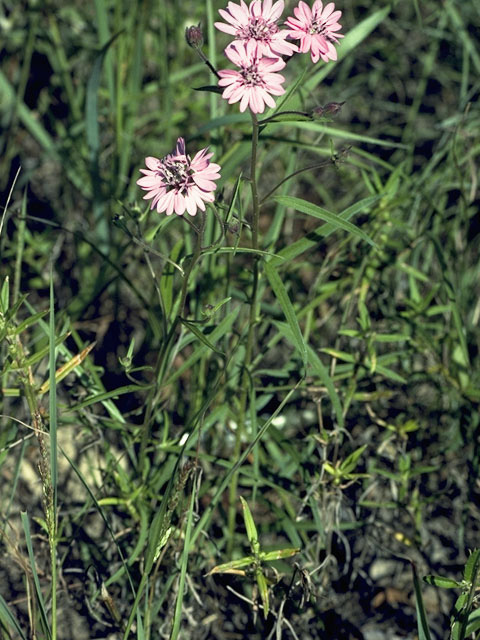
324, 370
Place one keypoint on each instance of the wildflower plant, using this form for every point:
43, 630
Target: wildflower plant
259, 50
253, 562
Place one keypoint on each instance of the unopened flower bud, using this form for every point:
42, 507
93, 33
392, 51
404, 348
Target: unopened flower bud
194, 36
330, 109
233, 226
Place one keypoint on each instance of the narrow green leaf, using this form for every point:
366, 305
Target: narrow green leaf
222, 485
219, 331
269, 556
256, 252
473, 623
392, 337
28, 118
389, 373
422, 624
106, 395
33, 567
250, 527
5, 296
233, 565
440, 581
313, 238
92, 129
52, 400
350, 462
321, 371
345, 134
159, 525
101, 14
282, 296
41, 353
286, 116
31, 320
9, 620
459, 618
317, 212
464, 604
263, 590
339, 355
177, 618
464, 33
472, 566
166, 281
203, 339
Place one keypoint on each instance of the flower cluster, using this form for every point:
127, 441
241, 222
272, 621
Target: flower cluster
176, 183
259, 44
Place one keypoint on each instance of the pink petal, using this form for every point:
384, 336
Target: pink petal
226, 28
152, 163
277, 10
239, 13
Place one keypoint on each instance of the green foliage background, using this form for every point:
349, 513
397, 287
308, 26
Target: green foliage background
87, 90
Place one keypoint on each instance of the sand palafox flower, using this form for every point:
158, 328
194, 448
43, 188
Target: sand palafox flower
256, 80
257, 22
176, 183
316, 29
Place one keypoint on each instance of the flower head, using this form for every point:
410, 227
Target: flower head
177, 183
257, 22
315, 28
194, 36
256, 79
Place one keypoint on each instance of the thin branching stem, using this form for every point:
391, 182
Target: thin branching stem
164, 353
245, 378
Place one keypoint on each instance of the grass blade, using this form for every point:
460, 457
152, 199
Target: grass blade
33, 567
9, 620
287, 308
321, 371
177, 618
53, 399
51, 504
422, 624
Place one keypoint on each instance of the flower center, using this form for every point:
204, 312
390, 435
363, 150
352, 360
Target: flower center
176, 173
318, 27
257, 29
251, 76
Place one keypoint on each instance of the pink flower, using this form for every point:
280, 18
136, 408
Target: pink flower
258, 22
177, 183
315, 28
255, 81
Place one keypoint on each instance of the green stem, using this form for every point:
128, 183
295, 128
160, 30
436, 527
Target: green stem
53, 558
245, 379
164, 354
319, 165
41, 430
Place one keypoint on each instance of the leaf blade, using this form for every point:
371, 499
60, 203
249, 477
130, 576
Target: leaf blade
322, 214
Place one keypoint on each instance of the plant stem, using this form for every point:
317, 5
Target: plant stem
164, 353
41, 431
245, 378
